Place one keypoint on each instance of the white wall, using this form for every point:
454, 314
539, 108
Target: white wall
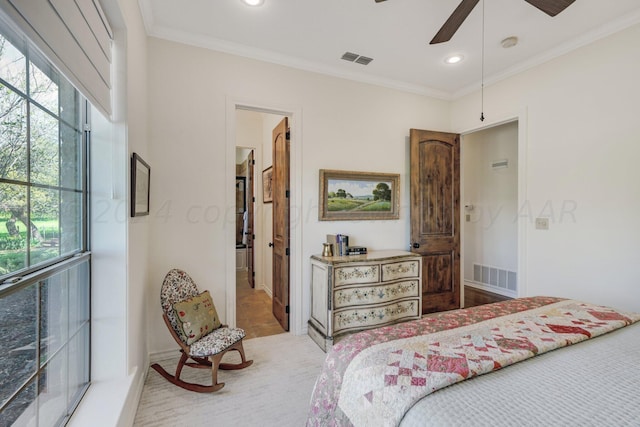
491, 234
344, 125
139, 287
583, 139
241, 155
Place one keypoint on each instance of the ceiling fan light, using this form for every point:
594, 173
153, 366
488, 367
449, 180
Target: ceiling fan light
453, 59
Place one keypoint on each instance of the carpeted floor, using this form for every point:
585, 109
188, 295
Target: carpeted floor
274, 391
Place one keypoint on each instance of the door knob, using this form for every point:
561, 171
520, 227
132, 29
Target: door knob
270, 244
416, 245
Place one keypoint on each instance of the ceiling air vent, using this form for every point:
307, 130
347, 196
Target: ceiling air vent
364, 60
354, 57
348, 56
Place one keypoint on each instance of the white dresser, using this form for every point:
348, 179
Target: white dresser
356, 292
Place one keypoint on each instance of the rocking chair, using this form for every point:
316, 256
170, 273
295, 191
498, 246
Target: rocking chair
203, 341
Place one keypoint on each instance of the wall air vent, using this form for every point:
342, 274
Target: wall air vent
354, 57
495, 277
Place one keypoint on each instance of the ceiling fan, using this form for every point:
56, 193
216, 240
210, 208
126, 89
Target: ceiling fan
550, 7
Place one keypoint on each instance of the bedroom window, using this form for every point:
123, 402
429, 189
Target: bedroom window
44, 263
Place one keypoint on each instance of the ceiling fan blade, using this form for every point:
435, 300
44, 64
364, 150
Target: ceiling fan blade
455, 20
551, 7
380, 1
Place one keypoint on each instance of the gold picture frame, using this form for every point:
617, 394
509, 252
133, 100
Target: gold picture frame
349, 195
267, 191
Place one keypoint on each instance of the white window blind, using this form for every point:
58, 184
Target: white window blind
75, 35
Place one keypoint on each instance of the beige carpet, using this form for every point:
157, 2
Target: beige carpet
274, 391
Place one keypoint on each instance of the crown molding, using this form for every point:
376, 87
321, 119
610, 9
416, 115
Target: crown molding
147, 15
264, 55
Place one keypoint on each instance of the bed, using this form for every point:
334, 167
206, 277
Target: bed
551, 361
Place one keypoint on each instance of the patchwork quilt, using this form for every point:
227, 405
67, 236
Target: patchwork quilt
373, 377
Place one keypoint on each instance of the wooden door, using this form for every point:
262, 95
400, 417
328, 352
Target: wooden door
280, 193
435, 216
250, 231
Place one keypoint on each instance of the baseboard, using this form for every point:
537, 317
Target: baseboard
164, 355
267, 290
504, 292
130, 408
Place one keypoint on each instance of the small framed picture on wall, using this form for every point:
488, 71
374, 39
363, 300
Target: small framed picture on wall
267, 191
140, 183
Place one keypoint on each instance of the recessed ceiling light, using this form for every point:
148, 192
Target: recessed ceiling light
453, 59
253, 2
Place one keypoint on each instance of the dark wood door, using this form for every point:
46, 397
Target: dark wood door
280, 193
250, 229
435, 216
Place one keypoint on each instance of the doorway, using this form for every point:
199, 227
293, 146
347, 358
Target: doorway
490, 197
254, 287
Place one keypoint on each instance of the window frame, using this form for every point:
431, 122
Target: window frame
37, 275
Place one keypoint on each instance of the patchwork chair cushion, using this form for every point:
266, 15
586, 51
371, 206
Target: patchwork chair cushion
216, 342
177, 286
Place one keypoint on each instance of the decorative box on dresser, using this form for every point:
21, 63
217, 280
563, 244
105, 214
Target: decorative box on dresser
357, 292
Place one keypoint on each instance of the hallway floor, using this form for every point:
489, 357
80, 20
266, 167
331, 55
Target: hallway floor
253, 310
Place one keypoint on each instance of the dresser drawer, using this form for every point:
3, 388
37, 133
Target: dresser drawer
375, 294
353, 275
357, 318
400, 270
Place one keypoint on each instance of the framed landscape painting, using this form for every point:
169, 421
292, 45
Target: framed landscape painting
346, 195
